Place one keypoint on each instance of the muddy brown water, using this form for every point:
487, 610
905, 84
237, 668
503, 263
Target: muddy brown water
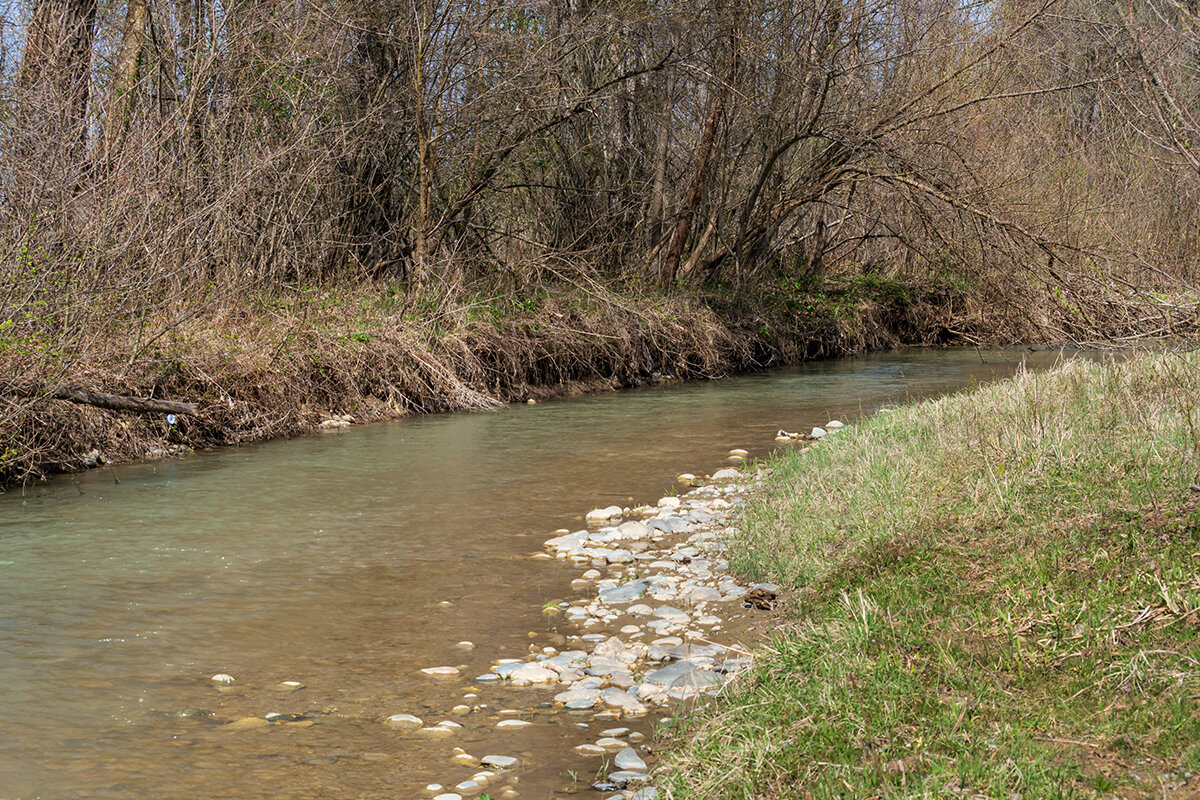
348, 561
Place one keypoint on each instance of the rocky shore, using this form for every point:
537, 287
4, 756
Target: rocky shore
655, 602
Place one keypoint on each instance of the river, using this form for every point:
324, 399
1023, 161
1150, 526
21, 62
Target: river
348, 561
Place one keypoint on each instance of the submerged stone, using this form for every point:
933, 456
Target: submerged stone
683, 674
624, 593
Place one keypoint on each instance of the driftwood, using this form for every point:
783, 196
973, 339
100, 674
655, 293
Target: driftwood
115, 402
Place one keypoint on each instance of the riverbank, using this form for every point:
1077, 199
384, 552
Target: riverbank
268, 366
992, 594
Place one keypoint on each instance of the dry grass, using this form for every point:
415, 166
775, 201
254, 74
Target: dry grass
265, 366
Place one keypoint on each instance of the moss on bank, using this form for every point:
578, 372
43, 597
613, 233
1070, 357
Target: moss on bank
993, 594
263, 366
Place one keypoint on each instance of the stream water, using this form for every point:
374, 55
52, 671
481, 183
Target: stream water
347, 562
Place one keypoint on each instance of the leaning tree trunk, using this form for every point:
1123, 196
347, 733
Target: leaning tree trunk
704, 154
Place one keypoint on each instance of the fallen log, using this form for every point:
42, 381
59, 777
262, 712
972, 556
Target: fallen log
115, 402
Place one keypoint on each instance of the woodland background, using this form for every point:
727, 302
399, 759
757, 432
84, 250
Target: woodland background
283, 209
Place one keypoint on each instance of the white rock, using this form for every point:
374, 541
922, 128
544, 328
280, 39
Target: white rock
500, 762
440, 671
669, 502
513, 723
739, 452
610, 744
602, 514
223, 678
532, 673
834, 424
726, 474
619, 557
817, 433
404, 721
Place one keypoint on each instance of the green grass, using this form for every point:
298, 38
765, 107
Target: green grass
994, 594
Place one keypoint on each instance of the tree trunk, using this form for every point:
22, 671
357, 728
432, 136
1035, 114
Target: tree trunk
125, 72
56, 70
716, 107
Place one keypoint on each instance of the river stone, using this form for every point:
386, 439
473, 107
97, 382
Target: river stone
590, 750
489, 677
683, 674
834, 424
611, 745
246, 723
632, 530
448, 796
697, 515
222, 678
568, 540
667, 524
619, 557
624, 593
639, 610
817, 433
687, 651
578, 699
727, 474
500, 762
602, 514
623, 778
622, 680
669, 502
603, 667
629, 759
440, 671
650, 693
404, 721
704, 594
672, 615
532, 673
513, 723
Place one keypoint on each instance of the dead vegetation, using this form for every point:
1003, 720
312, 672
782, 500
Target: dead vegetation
738, 185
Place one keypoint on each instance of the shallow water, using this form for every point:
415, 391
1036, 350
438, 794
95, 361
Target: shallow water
348, 561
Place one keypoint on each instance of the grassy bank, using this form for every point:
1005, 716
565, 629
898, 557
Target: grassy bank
994, 594
265, 365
